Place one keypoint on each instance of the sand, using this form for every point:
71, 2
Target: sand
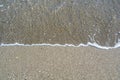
60, 21
59, 63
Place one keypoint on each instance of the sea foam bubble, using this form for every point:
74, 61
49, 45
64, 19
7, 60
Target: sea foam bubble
65, 45
1, 5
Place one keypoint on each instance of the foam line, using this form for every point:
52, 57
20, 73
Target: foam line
84, 45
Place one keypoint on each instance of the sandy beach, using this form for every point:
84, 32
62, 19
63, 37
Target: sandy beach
59, 63
73, 22
60, 21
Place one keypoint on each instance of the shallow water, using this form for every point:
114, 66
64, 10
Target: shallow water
60, 21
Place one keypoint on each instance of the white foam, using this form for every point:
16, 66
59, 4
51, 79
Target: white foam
65, 45
1, 5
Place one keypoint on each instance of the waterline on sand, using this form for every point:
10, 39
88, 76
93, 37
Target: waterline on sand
65, 45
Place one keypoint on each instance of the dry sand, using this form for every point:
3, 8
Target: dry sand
59, 63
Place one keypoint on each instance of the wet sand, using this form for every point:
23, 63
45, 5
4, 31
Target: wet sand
60, 21
59, 63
